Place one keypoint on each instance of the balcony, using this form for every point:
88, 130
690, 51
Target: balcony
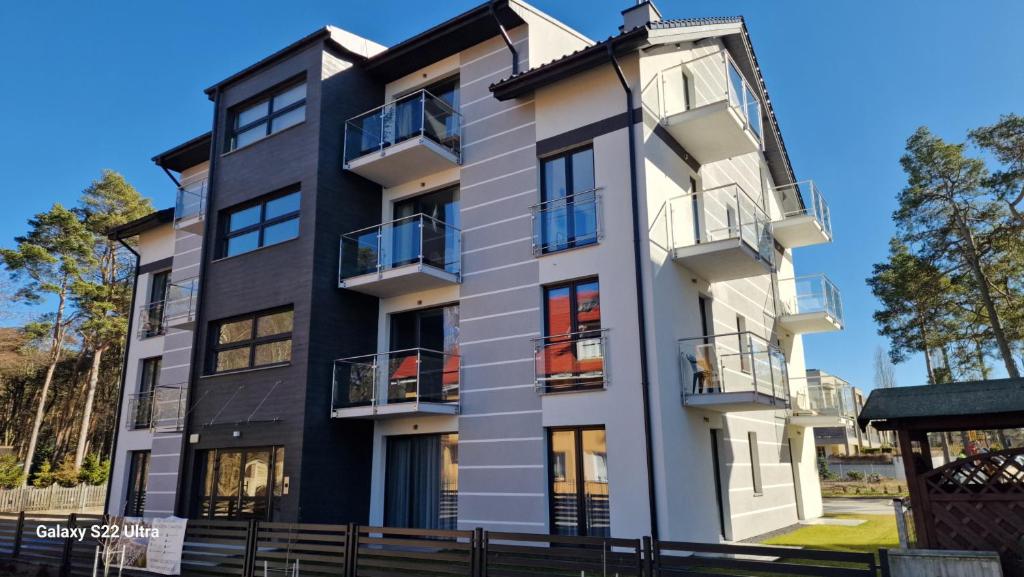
404, 140
720, 234
161, 410
151, 320
810, 224
733, 372
395, 384
810, 304
707, 106
180, 305
824, 405
569, 222
190, 207
406, 255
571, 362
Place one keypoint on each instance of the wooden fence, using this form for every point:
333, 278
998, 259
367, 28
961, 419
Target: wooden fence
52, 498
261, 549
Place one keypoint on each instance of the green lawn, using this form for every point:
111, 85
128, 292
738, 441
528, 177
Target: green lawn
879, 532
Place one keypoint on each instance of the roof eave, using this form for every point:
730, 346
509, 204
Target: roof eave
141, 225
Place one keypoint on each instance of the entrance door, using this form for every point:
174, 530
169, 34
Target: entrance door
240, 483
578, 461
439, 237
421, 481
429, 337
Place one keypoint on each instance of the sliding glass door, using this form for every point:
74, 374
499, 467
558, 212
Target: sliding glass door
240, 483
422, 481
429, 337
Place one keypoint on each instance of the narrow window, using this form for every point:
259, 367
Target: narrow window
571, 354
264, 223
256, 340
271, 114
696, 202
578, 465
153, 318
567, 215
138, 476
148, 378
755, 463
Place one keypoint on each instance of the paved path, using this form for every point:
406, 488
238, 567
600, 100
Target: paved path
838, 505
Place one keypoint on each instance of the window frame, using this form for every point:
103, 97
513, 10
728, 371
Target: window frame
579, 382
252, 343
274, 492
235, 113
580, 471
261, 225
572, 239
138, 482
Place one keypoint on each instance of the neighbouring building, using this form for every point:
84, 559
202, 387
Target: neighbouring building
833, 396
497, 275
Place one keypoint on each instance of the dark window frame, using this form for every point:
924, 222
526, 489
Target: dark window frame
580, 384
577, 430
135, 493
235, 112
252, 343
202, 470
260, 226
572, 240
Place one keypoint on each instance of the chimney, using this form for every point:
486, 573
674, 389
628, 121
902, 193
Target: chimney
639, 15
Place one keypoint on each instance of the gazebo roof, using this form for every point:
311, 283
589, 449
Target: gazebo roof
969, 405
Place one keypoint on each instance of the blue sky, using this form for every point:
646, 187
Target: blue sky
92, 85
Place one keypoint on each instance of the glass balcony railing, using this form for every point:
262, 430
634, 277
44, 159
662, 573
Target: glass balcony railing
722, 213
191, 201
418, 115
416, 239
180, 305
817, 208
140, 410
812, 294
568, 222
740, 362
703, 81
573, 361
407, 376
151, 319
162, 408
831, 399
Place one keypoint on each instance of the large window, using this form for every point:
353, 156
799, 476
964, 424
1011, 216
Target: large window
567, 214
262, 224
138, 475
244, 483
272, 114
256, 340
422, 481
578, 461
571, 353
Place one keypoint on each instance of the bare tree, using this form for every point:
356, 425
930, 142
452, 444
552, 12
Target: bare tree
885, 372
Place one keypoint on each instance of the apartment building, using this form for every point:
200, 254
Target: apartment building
399, 316
831, 395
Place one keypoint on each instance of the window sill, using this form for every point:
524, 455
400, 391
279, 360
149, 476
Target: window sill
256, 250
261, 139
244, 371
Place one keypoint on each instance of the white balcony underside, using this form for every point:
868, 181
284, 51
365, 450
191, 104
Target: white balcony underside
800, 230
806, 323
401, 280
408, 160
722, 260
711, 132
183, 323
193, 224
811, 421
735, 402
394, 410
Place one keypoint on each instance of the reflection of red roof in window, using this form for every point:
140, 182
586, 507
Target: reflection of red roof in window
406, 368
560, 317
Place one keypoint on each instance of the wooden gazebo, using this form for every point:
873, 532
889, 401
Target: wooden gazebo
973, 503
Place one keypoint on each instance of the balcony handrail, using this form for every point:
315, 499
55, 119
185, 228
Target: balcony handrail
395, 352
541, 206
379, 388
778, 389
191, 189
601, 331
829, 293
736, 185
410, 218
579, 378
405, 98
818, 207
150, 400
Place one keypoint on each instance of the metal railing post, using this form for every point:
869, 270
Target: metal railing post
647, 556
383, 113
419, 257
69, 543
351, 549
16, 548
423, 114
380, 246
477, 561
419, 373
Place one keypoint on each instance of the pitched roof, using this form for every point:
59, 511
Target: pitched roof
978, 399
141, 225
186, 154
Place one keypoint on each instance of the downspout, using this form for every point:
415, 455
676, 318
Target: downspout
641, 319
505, 37
124, 372
194, 369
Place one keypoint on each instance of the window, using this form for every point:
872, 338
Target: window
578, 464
138, 475
421, 481
272, 114
153, 318
424, 362
571, 354
263, 224
258, 340
755, 463
148, 377
567, 214
239, 483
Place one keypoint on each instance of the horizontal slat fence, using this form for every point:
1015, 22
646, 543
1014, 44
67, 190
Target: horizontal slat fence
258, 549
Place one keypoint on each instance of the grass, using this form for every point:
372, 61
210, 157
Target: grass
886, 488
878, 532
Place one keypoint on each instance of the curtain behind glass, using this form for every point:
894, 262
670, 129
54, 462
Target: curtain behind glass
421, 474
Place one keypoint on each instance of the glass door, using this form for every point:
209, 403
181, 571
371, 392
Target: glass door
138, 477
240, 483
426, 353
422, 481
578, 462
438, 243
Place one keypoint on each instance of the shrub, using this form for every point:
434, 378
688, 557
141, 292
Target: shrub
94, 471
67, 474
874, 478
44, 475
11, 474
855, 475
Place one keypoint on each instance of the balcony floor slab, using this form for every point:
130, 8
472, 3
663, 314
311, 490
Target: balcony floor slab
395, 410
408, 160
735, 402
806, 323
798, 231
401, 280
722, 260
712, 132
